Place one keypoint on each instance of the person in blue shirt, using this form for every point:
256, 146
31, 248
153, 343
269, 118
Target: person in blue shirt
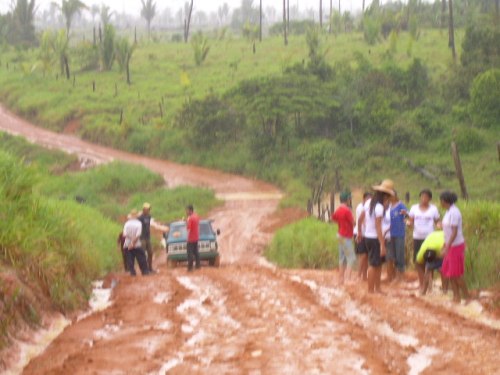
396, 249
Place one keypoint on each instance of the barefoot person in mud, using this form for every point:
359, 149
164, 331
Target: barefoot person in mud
145, 219
132, 232
396, 261
193, 229
372, 216
454, 246
343, 217
423, 217
361, 251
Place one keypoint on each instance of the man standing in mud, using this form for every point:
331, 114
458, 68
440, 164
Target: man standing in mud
132, 232
145, 219
193, 231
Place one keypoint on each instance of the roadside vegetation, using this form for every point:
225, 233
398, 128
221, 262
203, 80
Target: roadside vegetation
60, 225
310, 243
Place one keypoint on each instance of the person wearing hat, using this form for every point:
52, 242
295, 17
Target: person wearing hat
132, 232
372, 217
343, 217
145, 219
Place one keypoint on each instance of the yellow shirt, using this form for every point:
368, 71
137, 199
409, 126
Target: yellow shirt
434, 241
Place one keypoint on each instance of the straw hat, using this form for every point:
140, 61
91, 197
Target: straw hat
146, 206
133, 214
387, 186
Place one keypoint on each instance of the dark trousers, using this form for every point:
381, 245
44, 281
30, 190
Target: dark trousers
125, 260
138, 254
193, 254
149, 253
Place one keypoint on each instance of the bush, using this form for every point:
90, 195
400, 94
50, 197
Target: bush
308, 243
371, 30
404, 134
469, 139
485, 99
481, 221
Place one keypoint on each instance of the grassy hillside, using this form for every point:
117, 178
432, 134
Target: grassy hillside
166, 82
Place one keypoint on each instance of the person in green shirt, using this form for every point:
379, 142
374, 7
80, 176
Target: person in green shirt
431, 254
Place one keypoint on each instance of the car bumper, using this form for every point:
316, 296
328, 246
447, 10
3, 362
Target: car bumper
183, 257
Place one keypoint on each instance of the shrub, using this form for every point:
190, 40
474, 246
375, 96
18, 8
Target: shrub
371, 30
469, 139
308, 243
485, 99
405, 134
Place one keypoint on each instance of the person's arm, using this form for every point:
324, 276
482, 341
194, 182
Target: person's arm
380, 235
135, 238
361, 220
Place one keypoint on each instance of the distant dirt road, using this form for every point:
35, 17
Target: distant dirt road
248, 317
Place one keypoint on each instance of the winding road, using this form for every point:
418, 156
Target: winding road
249, 317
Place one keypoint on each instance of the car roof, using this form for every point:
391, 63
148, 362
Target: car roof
179, 223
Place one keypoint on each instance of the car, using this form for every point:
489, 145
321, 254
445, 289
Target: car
176, 244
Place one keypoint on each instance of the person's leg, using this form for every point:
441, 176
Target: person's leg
350, 259
130, 262
342, 261
427, 280
190, 255
444, 283
454, 287
364, 267
418, 267
125, 261
197, 255
463, 287
141, 259
371, 279
149, 252
391, 257
399, 244
375, 265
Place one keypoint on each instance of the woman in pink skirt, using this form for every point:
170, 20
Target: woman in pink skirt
454, 246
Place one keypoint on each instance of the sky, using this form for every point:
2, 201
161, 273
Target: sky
133, 6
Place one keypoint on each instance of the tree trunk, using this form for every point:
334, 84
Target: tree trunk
458, 169
443, 14
127, 68
188, 22
260, 21
321, 14
330, 27
288, 16
340, 17
66, 67
363, 7
284, 24
451, 32
149, 30
497, 10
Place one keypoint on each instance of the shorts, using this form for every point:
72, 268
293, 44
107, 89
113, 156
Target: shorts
346, 252
396, 252
434, 265
416, 247
373, 247
361, 247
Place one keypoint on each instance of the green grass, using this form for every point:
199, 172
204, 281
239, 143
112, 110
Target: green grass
308, 243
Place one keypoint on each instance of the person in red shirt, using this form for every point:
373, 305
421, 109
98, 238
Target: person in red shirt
343, 217
193, 230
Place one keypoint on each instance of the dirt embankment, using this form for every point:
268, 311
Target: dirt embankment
250, 318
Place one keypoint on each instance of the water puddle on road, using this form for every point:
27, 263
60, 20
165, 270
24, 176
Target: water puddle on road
99, 300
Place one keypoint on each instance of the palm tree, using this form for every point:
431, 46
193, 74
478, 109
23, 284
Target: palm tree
187, 22
22, 18
148, 12
69, 9
105, 15
54, 48
123, 51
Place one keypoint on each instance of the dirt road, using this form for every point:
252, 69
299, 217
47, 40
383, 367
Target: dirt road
248, 317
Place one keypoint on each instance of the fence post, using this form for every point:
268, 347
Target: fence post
458, 168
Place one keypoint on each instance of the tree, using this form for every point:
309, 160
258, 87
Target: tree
200, 46
285, 37
55, 47
105, 15
485, 99
123, 51
223, 13
21, 28
321, 14
260, 21
451, 32
148, 12
187, 20
94, 12
69, 9
107, 48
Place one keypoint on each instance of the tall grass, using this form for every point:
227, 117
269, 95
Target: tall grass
308, 243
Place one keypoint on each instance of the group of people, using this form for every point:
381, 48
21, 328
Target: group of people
377, 236
134, 241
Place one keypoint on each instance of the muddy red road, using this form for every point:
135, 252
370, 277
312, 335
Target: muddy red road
250, 318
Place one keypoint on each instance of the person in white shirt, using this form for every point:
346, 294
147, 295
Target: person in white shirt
361, 250
372, 217
423, 217
132, 232
454, 246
